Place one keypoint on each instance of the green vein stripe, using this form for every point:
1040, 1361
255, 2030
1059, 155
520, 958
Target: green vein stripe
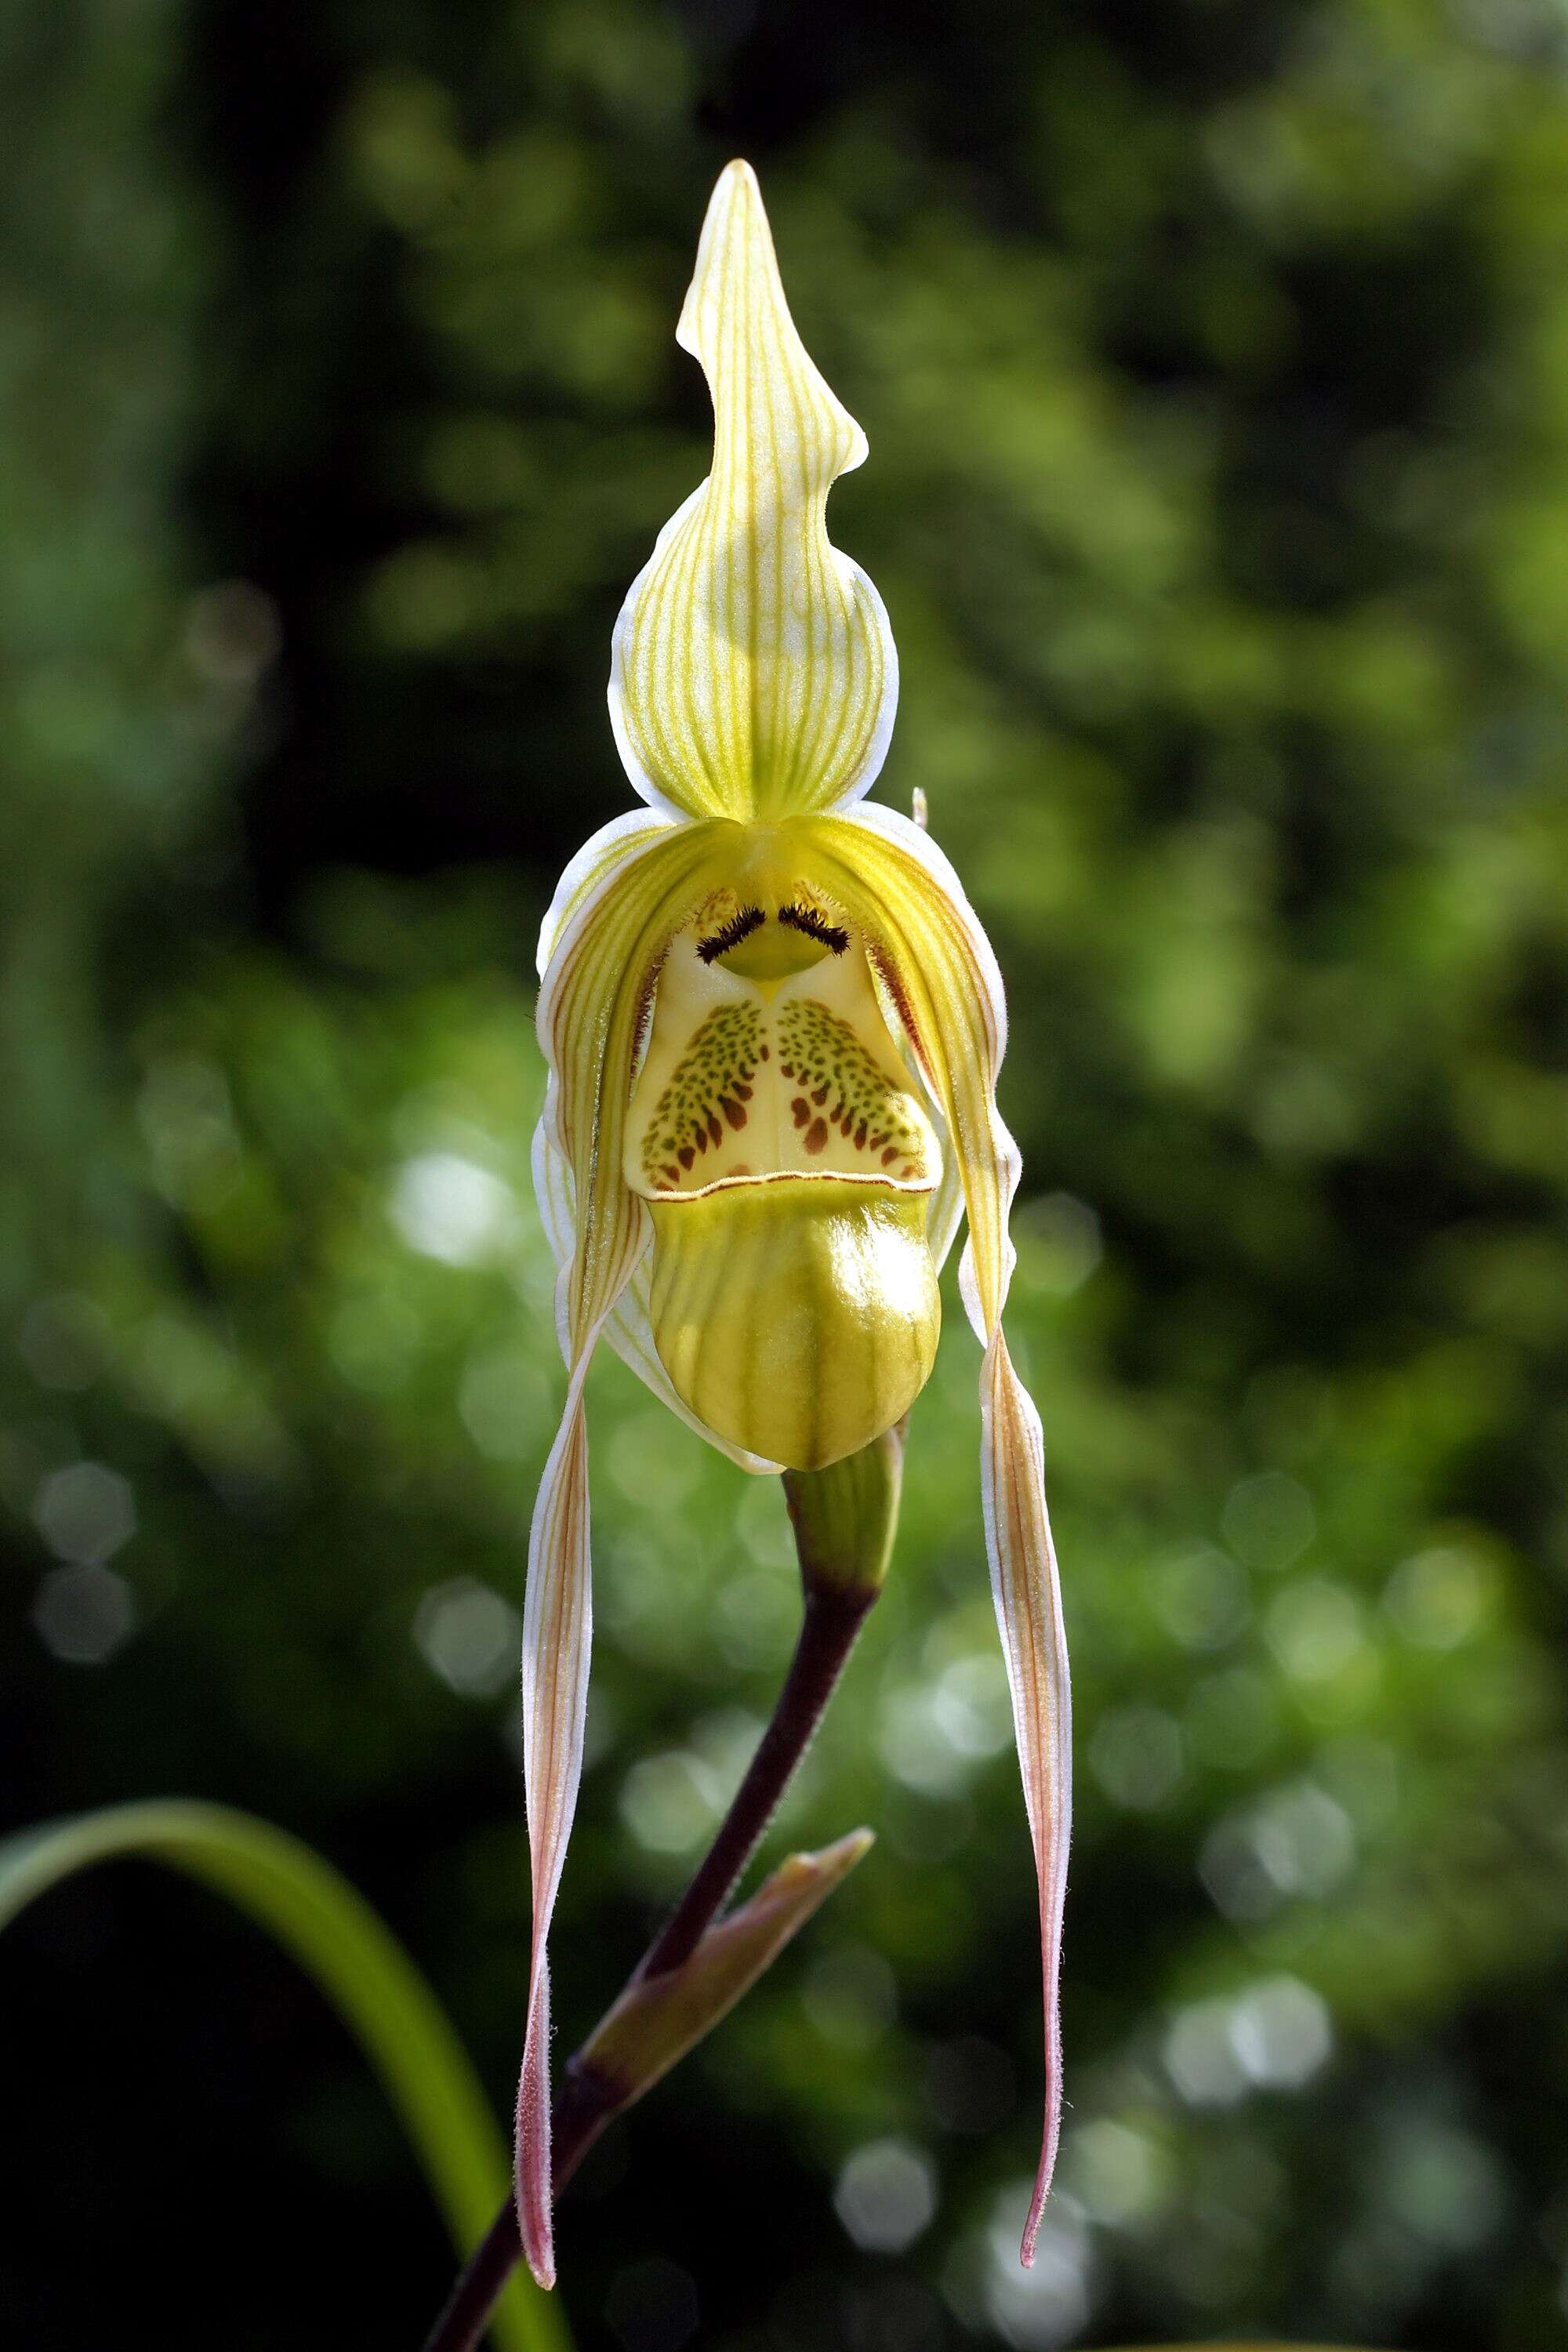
726, 715
898, 902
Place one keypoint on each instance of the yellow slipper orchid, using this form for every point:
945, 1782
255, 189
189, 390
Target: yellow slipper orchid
773, 1026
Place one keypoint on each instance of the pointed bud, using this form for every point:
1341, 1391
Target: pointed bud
657, 2019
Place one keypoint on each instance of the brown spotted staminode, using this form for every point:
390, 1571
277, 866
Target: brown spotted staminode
794, 1074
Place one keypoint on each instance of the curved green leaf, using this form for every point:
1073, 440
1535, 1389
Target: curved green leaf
377, 1990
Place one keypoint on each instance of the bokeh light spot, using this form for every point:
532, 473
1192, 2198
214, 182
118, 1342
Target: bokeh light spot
83, 1615
1314, 1629
1120, 2175
1059, 1242
469, 1636
449, 1208
670, 1801
1281, 2033
1437, 1598
1296, 1841
1200, 2055
886, 2195
86, 1512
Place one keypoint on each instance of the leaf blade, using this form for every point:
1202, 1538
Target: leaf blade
341, 1942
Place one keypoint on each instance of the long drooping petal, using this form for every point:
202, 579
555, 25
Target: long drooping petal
753, 671
1028, 1593
597, 985
938, 966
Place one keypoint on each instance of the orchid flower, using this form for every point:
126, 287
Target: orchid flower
772, 1026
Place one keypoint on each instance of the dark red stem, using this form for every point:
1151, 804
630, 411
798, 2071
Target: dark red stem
585, 2101
832, 1620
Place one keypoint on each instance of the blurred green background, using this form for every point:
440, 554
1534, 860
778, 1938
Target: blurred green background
1214, 362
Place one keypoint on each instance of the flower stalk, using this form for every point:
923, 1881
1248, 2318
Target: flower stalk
843, 1518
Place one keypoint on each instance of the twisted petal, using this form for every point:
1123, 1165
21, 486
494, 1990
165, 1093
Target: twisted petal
753, 671
1027, 1594
938, 966
605, 953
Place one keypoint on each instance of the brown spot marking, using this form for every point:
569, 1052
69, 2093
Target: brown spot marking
733, 1111
800, 1110
837, 1074
816, 1135
720, 1057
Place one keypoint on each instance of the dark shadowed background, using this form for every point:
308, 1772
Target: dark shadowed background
1214, 362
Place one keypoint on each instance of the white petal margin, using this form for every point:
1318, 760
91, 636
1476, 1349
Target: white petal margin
629, 1327
617, 844
944, 978
753, 671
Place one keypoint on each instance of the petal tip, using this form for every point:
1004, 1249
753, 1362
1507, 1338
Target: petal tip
1032, 2226
535, 2226
1048, 2146
533, 2169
